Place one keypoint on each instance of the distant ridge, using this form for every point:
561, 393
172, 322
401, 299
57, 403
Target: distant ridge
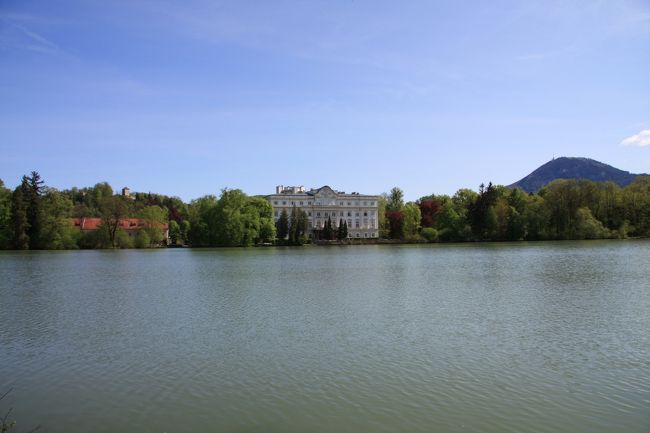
573, 168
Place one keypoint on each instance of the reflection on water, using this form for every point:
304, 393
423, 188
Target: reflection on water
491, 338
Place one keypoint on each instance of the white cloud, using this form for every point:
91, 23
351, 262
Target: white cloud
641, 139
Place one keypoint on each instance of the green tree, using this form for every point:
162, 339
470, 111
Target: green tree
174, 233
185, 230
516, 225
451, 225
260, 226
112, 210
384, 226
142, 239
267, 230
536, 219
636, 206
57, 232
226, 223
395, 200
429, 234
154, 218
200, 212
123, 240
588, 227
412, 219
97, 194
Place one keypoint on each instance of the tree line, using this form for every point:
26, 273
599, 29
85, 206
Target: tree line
35, 216
563, 209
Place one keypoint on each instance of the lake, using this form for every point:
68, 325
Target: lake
521, 337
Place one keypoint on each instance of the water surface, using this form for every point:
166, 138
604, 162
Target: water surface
540, 337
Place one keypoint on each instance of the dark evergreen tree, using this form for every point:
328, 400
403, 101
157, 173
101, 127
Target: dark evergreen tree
297, 227
19, 224
282, 225
328, 231
5, 216
34, 191
339, 232
481, 212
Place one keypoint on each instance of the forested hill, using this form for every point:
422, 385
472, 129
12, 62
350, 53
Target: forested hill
573, 168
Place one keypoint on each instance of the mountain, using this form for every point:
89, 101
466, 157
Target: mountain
573, 168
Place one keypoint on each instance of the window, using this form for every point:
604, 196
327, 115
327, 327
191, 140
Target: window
349, 204
358, 235
365, 214
365, 235
357, 214
372, 235
365, 203
277, 213
317, 214
349, 223
275, 202
356, 223
349, 213
356, 203
372, 203
309, 213
284, 203
340, 203
341, 213
300, 203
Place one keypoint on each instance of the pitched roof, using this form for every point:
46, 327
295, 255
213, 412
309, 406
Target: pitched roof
89, 224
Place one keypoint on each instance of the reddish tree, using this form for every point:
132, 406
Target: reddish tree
396, 223
429, 209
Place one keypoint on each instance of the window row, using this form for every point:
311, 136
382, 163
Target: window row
318, 203
367, 224
334, 214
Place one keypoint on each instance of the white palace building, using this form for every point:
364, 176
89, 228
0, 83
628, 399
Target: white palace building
358, 210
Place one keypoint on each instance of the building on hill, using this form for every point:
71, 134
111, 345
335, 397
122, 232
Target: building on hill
130, 225
126, 193
359, 211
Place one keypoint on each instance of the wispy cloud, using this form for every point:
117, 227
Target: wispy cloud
15, 35
642, 139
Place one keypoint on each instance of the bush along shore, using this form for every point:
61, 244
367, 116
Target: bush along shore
35, 216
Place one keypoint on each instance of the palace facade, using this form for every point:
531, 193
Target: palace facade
359, 211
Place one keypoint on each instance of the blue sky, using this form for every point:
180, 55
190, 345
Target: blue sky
188, 97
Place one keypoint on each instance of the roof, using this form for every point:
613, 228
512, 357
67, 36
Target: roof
89, 224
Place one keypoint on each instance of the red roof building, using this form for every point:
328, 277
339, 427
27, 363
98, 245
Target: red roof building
129, 225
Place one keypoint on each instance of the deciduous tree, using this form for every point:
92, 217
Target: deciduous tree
112, 210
